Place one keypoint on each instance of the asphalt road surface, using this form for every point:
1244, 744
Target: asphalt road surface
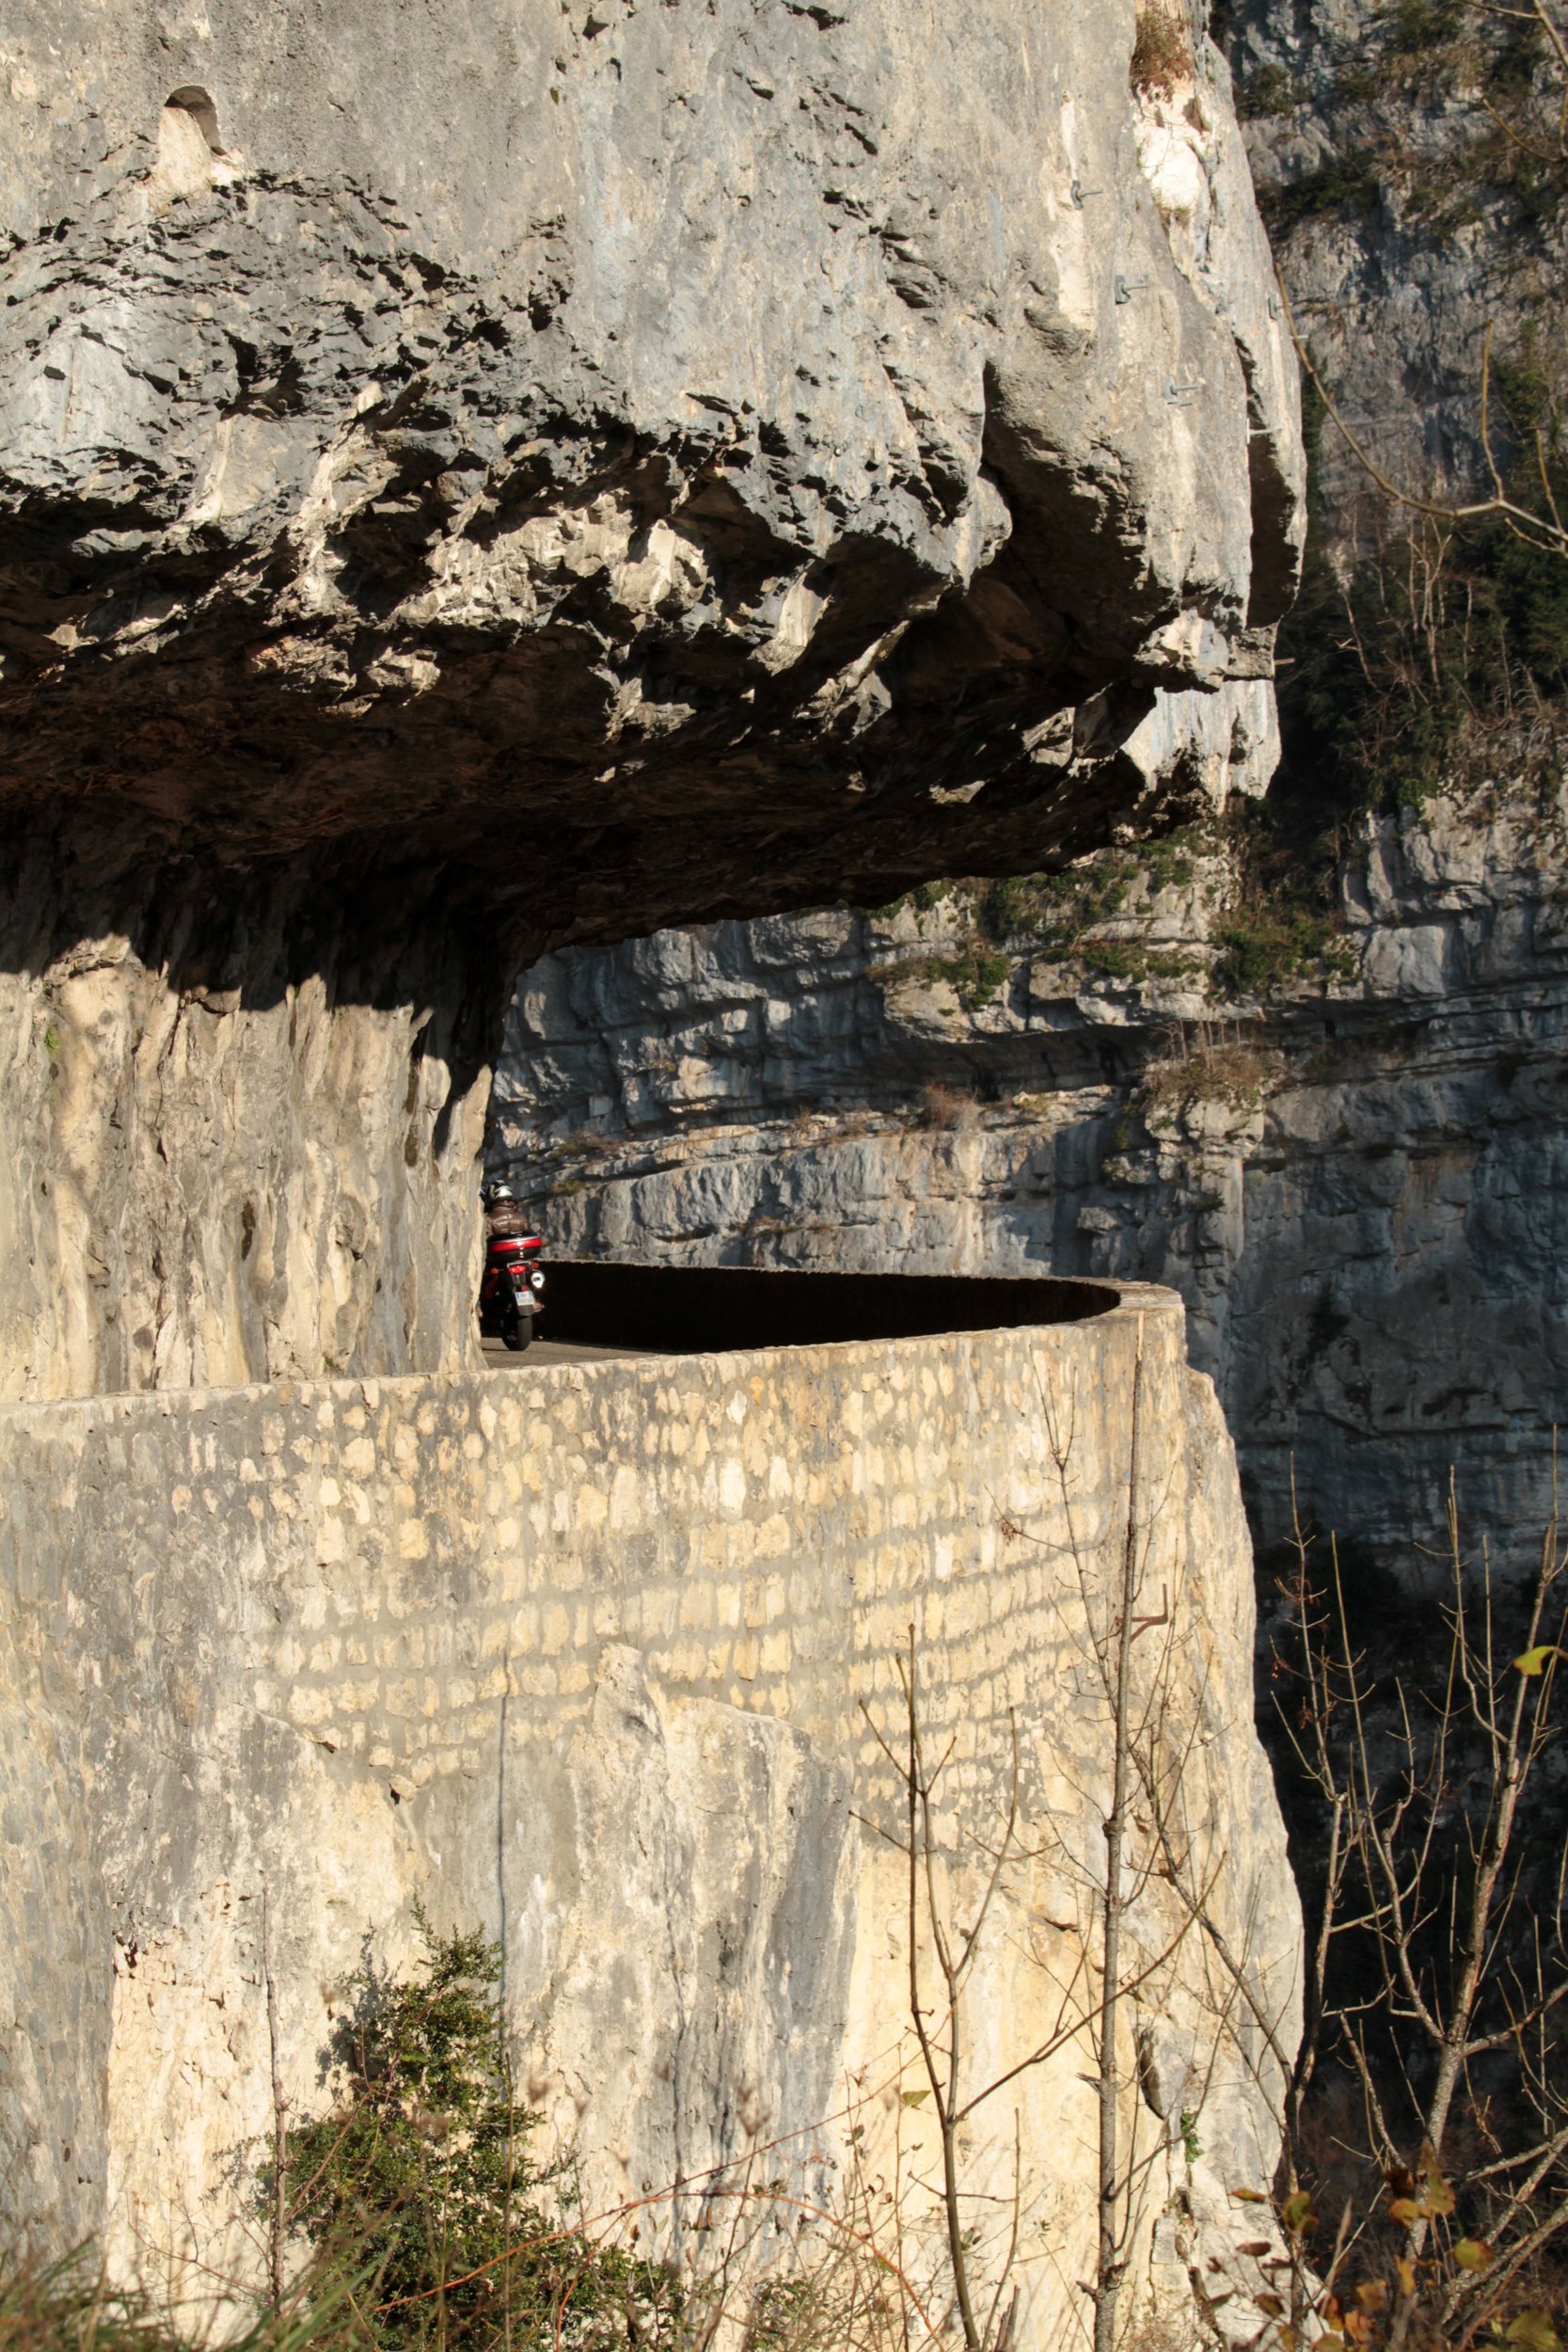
498, 1357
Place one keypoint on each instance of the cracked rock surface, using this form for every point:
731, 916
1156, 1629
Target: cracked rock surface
484, 477
1353, 1177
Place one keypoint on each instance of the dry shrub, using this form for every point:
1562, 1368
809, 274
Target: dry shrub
1235, 1075
839, 2291
1162, 50
947, 1107
1422, 2194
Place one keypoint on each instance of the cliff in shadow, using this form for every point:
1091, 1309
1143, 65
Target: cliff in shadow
1339, 1141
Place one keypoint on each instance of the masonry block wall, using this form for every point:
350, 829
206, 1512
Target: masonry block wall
595, 1656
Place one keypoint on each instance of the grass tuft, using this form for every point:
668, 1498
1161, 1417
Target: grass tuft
1162, 49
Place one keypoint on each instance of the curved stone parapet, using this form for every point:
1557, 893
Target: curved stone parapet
594, 1656
554, 472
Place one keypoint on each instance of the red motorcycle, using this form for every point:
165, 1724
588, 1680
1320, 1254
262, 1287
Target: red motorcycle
510, 1301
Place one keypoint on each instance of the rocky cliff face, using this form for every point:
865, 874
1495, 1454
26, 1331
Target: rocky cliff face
591, 1656
1411, 164
542, 475
476, 479
1333, 1121
1351, 1172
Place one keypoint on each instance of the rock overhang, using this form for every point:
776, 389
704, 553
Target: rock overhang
708, 457
536, 477
722, 441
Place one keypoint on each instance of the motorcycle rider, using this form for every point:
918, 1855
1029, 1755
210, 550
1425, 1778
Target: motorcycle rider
509, 1300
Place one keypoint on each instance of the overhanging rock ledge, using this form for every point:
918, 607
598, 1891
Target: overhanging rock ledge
479, 477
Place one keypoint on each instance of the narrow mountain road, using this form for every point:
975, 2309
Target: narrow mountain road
498, 1357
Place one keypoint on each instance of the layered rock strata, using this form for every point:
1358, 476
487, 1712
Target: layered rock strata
1352, 1174
580, 1654
547, 474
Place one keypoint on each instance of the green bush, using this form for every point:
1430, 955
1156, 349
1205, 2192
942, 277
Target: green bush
1272, 91
1116, 958
1350, 182
1275, 942
977, 980
415, 2183
407, 2216
1413, 27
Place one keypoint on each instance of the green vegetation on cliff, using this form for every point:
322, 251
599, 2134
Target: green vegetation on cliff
1486, 85
416, 2193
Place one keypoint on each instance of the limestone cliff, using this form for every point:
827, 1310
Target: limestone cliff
1410, 163
533, 475
1351, 1171
478, 478
1329, 1112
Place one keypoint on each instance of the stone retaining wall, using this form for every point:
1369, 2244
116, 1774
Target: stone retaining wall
590, 1655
